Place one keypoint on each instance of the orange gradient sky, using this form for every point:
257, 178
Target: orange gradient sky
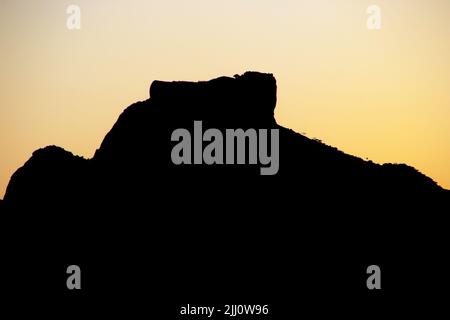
382, 95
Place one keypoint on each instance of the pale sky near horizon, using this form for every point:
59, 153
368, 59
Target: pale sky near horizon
377, 94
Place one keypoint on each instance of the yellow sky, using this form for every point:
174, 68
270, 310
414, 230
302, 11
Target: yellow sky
380, 94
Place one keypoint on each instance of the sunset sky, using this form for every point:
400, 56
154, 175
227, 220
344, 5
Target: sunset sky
377, 94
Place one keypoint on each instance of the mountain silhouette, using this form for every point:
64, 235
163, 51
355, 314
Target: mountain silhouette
139, 144
131, 201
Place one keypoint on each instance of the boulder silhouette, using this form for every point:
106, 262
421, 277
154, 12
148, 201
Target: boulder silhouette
181, 221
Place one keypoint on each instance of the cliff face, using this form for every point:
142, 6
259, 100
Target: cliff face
246, 101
